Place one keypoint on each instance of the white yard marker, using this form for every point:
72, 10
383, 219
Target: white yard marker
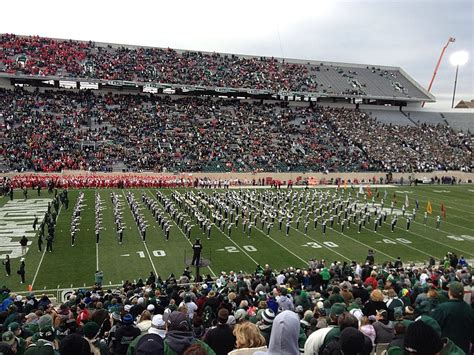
42, 256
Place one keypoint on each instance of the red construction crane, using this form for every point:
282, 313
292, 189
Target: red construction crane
450, 40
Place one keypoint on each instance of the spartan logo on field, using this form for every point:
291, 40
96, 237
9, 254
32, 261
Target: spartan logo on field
16, 220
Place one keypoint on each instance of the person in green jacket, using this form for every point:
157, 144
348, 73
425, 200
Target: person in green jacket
456, 318
326, 276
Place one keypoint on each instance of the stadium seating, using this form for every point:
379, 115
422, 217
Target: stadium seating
311, 300
56, 130
39, 56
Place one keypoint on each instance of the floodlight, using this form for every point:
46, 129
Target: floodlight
459, 58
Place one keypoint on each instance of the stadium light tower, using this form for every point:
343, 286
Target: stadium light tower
457, 59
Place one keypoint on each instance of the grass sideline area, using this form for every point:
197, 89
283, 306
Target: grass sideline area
74, 267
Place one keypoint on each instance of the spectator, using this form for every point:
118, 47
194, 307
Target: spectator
399, 338
456, 318
74, 344
384, 331
352, 342
220, 337
285, 335
179, 335
248, 339
374, 304
144, 322
420, 338
125, 334
266, 323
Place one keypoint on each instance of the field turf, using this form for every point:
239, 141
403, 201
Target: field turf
69, 266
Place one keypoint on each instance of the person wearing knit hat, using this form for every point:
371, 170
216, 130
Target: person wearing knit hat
74, 344
8, 339
125, 335
157, 326
91, 330
421, 339
351, 341
265, 325
456, 317
285, 335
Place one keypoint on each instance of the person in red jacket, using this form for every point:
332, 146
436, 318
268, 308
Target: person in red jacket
372, 280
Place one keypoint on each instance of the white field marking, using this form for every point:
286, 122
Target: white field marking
394, 240
97, 256
273, 240
436, 197
355, 240
172, 220
44, 252
435, 241
212, 272
325, 246
441, 230
367, 246
305, 261
256, 263
149, 257
144, 243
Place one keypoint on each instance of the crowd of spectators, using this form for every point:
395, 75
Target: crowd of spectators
38, 56
56, 130
325, 308
45, 56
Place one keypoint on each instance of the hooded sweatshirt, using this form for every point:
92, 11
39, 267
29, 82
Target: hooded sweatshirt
179, 340
284, 337
384, 333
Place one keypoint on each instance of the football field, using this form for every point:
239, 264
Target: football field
302, 213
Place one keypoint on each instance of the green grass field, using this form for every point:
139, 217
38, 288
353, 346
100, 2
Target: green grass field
69, 266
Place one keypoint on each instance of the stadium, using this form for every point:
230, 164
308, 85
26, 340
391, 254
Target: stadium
230, 198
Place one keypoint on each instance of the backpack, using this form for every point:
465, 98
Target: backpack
150, 344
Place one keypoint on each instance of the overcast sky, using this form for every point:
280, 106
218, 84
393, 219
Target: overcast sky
405, 33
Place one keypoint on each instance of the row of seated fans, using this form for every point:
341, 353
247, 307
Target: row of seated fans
55, 130
73, 59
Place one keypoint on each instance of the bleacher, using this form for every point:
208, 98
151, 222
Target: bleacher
389, 117
28, 56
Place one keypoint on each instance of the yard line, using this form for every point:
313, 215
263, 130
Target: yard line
256, 263
367, 246
435, 241
179, 228
149, 256
144, 243
406, 245
273, 240
447, 204
212, 272
355, 240
438, 197
330, 249
44, 252
442, 230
